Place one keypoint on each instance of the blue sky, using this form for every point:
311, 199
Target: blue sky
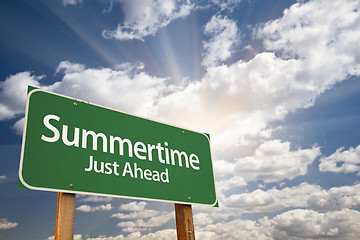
275, 83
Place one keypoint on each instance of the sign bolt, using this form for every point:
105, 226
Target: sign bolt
71, 185
75, 104
189, 198
183, 131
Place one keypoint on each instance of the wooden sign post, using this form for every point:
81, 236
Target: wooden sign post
65, 211
184, 222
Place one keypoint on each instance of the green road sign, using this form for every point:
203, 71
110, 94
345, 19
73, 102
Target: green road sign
78, 147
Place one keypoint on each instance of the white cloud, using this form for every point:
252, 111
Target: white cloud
224, 36
87, 208
305, 195
235, 230
309, 224
75, 237
71, 2
321, 35
144, 18
91, 198
69, 67
302, 196
144, 225
5, 224
133, 206
227, 4
273, 199
292, 225
118, 88
272, 161
234, 103
231, 183
342, 161
202, 219
13, 93
144, 219
2, 178
146, 213
166, 234
18, 127
335, 198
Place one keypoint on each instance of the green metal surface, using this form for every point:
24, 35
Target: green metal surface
47, 163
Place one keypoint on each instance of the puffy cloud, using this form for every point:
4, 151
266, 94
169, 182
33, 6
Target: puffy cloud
75, 237
335, 198
13, 93
133, 206
227, 4
224, 35
166, 234
5, 224
267, 87
18, 127
272, 161
69, 67
273, 199
321, 35
91, 198
309, 224
235, 229
302, 196
202, 219
71, 2
234, 103
144, 18
144, 219
145, 225
146, 213
231, 183
87, 208
293, 225
343, 161
305, 195
237, 101
110, 87
2, 178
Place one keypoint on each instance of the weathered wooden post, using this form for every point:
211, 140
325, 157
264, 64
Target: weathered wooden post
184, 222
65, 211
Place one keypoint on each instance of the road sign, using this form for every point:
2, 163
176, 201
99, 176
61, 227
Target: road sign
74, 146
